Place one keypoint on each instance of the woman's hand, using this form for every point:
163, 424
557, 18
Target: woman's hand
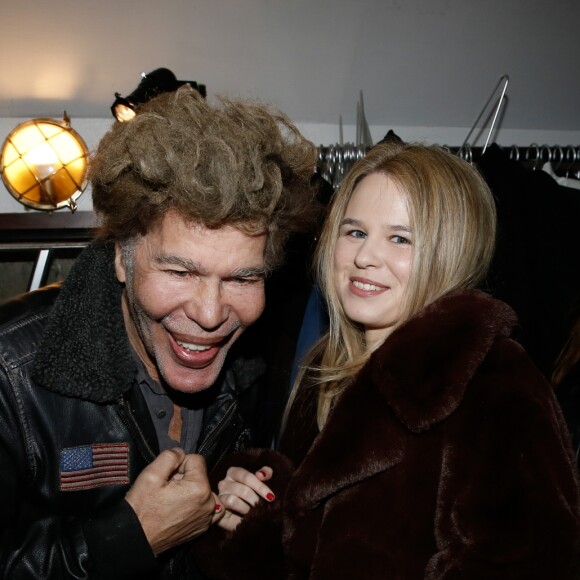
239, 491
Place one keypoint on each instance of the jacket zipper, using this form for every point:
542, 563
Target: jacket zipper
217, 429
130, 422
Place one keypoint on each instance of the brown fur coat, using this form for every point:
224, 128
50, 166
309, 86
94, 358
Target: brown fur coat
446, 459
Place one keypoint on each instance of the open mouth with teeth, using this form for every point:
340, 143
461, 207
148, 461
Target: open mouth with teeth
193, 347
195, 355
366, 287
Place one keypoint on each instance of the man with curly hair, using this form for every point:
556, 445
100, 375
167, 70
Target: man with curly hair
120, 386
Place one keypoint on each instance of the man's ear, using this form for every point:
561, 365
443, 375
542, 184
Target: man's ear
119, 265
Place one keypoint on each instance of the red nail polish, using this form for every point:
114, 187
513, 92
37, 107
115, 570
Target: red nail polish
218, 507
270, 497
262, 473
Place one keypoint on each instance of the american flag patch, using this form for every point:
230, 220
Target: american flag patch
93, 466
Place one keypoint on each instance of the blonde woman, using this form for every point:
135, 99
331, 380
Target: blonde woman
420, 441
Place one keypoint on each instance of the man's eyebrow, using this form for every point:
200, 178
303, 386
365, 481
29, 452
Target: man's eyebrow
190, 265
257, 272
193, 266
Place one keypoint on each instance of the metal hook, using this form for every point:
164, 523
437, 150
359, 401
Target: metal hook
545, 149
560, 152
465, 153
536, 148
570, 158
469, 154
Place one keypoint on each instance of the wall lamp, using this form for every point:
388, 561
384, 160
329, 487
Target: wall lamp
161, 80
43, 164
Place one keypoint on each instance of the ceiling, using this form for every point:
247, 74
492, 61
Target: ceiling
430, 63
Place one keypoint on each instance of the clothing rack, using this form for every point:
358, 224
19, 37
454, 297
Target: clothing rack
534, 155
334, 161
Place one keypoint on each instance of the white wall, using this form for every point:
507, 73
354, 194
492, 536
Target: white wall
426, 67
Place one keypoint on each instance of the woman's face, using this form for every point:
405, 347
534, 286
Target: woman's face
373, 256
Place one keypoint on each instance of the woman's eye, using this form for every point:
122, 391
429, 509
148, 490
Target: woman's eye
400, 240
356, 234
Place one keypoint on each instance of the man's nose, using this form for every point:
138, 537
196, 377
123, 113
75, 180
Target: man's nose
207, 306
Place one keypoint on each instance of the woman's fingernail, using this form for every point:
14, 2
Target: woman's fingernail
218, 508
262, 473
270, 497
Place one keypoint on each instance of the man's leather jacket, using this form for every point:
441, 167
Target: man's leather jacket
75, 432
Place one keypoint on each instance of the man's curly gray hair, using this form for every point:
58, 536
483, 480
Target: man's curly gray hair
238, 163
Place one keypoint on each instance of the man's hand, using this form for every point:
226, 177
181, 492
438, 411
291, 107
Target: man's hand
173, 500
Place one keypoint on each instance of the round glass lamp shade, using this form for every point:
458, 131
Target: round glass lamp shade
44, 164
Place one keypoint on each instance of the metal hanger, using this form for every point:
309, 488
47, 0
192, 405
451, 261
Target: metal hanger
363, 133
505, 80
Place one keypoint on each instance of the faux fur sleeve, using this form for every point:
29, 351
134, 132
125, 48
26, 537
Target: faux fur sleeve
254, 549
508, 497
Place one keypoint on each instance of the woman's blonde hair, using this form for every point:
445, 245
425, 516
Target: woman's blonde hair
453, 220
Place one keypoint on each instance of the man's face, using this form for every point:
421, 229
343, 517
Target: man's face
191, 291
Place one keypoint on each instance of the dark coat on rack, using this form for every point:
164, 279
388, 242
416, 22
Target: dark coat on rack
536, 264
446, 458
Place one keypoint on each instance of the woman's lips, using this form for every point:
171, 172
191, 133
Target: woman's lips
365, 288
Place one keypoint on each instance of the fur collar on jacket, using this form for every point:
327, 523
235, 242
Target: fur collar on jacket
438, 352
84, 351
419, 375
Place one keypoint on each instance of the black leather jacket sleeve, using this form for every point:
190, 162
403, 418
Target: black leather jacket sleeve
37, 539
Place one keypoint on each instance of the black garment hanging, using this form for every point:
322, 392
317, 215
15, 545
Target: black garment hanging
536, 268
276, 332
